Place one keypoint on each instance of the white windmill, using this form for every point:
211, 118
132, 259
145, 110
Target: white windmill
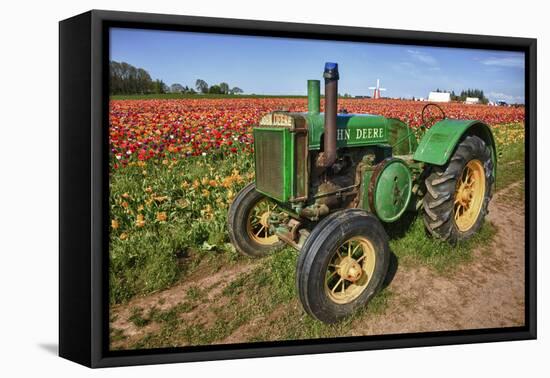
377, 89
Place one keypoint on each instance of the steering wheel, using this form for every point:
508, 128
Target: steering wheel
428, 121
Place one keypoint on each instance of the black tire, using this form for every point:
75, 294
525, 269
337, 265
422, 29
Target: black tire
442, 185
237, 219
320, 248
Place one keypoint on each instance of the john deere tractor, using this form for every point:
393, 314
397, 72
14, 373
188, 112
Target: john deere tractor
326, 183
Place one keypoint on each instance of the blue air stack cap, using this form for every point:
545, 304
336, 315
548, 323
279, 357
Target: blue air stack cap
331, 71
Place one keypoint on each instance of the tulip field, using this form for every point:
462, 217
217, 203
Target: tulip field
145, 129
176, 164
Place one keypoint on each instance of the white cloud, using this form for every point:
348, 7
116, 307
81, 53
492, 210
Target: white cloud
422, 57
499, 96
510, 62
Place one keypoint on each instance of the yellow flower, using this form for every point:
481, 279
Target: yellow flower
183, 203
207, 212
140, 221
205, 193
114, 224
196, 184
185, 185
140, 208
227, 182
165, 162
148, 189
161, 217
123, 236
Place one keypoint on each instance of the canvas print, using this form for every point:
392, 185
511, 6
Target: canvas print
276, 189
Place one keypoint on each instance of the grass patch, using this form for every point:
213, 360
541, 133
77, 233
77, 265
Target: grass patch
515, 194
510, 141
412, 245
169, 216
262, 294
138, 318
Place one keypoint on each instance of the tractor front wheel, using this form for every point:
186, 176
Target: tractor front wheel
458, 193
342, 264
247, 223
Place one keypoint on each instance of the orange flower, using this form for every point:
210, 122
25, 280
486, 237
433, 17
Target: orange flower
114, 224
124, 204
148, 189
125, 195
161, 217
227, 182
213, 183
140, 221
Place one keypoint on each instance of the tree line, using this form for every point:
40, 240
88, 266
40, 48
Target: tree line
467, 93
125, 79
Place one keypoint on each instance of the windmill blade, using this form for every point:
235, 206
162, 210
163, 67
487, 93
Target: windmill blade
381, 89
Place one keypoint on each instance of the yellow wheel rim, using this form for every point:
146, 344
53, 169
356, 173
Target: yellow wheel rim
257, 224
469, 195
350, 270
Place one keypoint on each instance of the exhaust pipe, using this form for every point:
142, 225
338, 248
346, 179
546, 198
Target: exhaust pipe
328, 156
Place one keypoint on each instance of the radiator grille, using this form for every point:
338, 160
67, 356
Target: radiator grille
269, 150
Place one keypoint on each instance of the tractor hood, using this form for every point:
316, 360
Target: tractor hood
351, 129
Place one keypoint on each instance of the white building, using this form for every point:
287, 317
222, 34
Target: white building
472, 100
439, 97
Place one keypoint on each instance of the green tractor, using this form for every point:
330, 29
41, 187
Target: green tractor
326, 182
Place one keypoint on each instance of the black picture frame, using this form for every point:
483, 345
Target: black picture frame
83, 180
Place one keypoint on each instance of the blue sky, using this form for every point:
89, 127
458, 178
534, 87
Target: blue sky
281, 66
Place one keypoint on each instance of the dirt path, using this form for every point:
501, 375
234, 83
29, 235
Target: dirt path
487, 292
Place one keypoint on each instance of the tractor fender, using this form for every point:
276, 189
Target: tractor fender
439, 142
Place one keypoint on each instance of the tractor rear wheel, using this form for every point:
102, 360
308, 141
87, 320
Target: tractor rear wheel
342, 265
458, 193
247, 223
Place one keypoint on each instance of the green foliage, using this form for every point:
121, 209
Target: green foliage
171, 96
163, 211
215, 89
152, 255
470, 93
127, 79
235, 90
412, 245
201, 86
224, 88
